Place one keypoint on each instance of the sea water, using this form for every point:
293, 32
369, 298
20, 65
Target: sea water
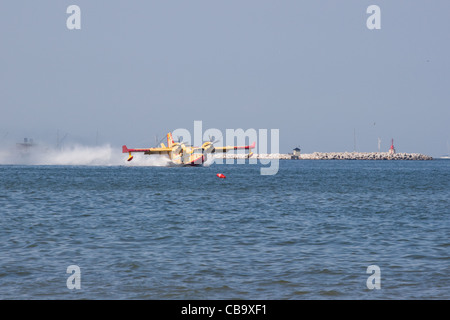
315, 230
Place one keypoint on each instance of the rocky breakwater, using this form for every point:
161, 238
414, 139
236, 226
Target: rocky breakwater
364, 156
335, 156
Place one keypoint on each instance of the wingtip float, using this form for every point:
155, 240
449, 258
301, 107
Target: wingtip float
126, 150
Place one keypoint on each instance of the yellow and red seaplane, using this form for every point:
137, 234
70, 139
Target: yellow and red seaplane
181, 154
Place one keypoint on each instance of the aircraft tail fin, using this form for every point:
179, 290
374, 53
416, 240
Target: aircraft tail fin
170, 141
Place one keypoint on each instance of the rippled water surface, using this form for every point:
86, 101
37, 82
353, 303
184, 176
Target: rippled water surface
308, 232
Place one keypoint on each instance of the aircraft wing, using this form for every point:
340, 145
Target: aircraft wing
147, 150
228, 148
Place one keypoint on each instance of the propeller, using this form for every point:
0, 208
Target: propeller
213, 140
180, 141
208, 146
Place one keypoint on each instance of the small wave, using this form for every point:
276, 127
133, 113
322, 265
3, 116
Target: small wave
330, 293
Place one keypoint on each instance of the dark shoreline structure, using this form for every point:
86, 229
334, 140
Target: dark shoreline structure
336, 156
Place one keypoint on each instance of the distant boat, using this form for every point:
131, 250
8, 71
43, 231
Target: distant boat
25, 148
26, 144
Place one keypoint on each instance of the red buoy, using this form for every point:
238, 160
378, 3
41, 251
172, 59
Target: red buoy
220, 175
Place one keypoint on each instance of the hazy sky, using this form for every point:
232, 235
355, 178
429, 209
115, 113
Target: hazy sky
311, 69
